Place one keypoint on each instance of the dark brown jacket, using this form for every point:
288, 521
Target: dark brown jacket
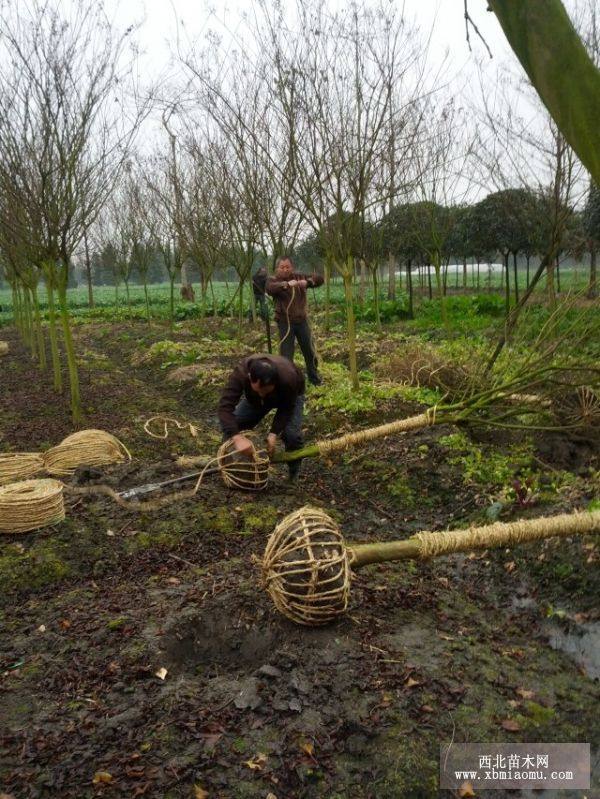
291, 302
289, 386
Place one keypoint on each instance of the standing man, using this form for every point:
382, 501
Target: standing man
288, 288
259, 280
257, 385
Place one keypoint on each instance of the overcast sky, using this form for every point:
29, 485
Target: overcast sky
160, 19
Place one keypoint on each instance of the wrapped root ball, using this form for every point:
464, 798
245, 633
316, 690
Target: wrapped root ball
306, 568
243, 472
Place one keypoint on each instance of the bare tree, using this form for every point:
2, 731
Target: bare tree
68, 117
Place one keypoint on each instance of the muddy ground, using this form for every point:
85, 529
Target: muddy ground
498, 646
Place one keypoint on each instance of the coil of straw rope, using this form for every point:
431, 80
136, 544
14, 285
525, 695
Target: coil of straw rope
19, 466
3, 347
85, 448
306, 565
31, 504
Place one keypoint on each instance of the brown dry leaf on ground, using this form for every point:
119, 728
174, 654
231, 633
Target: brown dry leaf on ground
524, 693
101, 777
466, 791
510, 725
200, 793
256, 763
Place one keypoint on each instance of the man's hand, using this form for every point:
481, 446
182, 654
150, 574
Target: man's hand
292, 283
302, 284
243, 445
271, 442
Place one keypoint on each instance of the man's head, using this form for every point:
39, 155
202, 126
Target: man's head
284, 267
263, 376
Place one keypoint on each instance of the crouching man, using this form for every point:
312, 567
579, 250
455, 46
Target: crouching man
257, 385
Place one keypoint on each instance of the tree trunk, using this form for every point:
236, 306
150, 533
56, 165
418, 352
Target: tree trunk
362, 290
376, 296
56, 368
557, 275
506, 286
350, 321
409, 282
88, 271
39, 331
516, 274
592, 290
76, 412
429, 281
391, 277
550, 290
527, 258
327, 276
147, 301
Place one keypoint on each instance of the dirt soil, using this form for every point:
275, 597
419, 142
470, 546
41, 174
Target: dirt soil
140, 657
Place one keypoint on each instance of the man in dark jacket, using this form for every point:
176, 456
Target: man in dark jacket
288, 288
259, 280
257, 385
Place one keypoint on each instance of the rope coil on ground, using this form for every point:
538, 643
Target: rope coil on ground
31, 504
16, 466
166, 421
85, 448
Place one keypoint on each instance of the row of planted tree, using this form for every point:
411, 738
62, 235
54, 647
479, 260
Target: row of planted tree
330, 135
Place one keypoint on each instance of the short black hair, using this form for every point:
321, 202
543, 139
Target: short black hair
264, 371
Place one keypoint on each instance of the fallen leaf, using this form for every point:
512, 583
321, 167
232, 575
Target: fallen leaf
110, 533
256, 763
466, 791
510, 725
161, 673
11, 796
174, 580
200, 793
307, 747
102, 776
271, 796
412, 683
524, 693
427, 709
41, 629
510, 566
65, 624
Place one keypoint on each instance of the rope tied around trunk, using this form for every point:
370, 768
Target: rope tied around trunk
506, 533
426, 419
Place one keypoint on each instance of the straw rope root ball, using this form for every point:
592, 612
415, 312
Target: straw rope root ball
248, 473
306, 568
31, 504
85, 448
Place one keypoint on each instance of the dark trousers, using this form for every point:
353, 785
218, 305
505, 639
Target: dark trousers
262, 309
248, 416
287, 345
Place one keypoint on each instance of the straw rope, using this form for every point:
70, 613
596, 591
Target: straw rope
19, 466
3, 347
361, 436
85, 448
166, 421
31, 504
506, 533
248, 473
306, 569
